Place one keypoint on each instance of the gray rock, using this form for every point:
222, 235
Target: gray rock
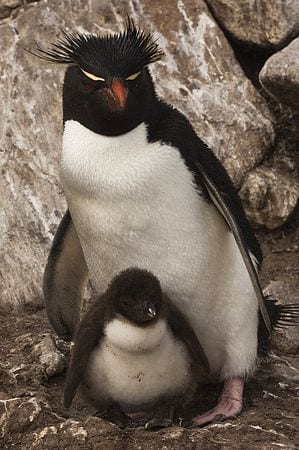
11, 3
24, 367
6, 7
52, 360
261, 22
30, 204
208, 84
71, 434
32, 357
21, 416
199, 74
4, 396
18, 414
269, 197
280, 75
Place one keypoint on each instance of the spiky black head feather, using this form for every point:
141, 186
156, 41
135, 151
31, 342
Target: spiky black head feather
127, 51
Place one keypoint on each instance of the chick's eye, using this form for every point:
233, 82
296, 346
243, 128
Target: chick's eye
133, 76
124, 302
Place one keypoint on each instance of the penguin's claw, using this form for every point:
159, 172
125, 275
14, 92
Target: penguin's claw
140, 417
223, 411
115, 415
228, 407
157, 422
185, 423
163, 417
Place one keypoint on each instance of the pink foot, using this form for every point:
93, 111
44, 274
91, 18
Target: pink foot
228, 407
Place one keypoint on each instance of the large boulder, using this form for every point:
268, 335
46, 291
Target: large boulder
280, 75
261, 22
208, 84
199, 74
269, 196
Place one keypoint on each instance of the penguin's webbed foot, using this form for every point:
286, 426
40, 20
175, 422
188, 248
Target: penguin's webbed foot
139, 418
163, 418
156, 423
229, 405
116, 415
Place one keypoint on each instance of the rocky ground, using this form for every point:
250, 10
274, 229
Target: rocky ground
32, 375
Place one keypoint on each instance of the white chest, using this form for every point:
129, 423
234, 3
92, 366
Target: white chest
134, 204
136, 367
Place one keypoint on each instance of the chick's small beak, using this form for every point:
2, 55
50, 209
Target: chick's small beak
151, 312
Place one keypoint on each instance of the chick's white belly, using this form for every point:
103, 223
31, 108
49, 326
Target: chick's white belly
136, 377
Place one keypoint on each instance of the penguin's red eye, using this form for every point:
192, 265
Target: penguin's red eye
88, 87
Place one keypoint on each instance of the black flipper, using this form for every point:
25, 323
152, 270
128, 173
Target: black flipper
64, 279
219, 200
87, 337
182, 329
172, 127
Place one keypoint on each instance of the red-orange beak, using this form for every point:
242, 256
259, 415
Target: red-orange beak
116, 95
120, 92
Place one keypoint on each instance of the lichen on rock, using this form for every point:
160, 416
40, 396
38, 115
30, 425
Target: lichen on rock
269, 197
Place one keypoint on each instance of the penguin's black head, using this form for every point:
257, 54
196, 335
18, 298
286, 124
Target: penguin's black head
107, 86
136, 295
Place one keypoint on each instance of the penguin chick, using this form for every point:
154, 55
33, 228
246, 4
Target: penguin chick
134, 349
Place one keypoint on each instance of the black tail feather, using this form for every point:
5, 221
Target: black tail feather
281, 316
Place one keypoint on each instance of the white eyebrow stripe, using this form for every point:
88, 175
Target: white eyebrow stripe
92, 77
133, 76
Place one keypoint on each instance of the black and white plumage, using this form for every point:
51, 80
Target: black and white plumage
134, 349
144, 190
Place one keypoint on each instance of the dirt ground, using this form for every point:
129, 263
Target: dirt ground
32, 376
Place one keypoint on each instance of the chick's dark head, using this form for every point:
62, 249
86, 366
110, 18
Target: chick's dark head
136, 295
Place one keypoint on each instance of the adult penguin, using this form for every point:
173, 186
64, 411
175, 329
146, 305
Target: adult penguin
144, 190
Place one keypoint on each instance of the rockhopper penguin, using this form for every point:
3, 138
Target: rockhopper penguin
143, 190
135, 352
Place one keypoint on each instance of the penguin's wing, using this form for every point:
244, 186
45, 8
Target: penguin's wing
182, 329
172, 127
87, 337
64, 279
219, 200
